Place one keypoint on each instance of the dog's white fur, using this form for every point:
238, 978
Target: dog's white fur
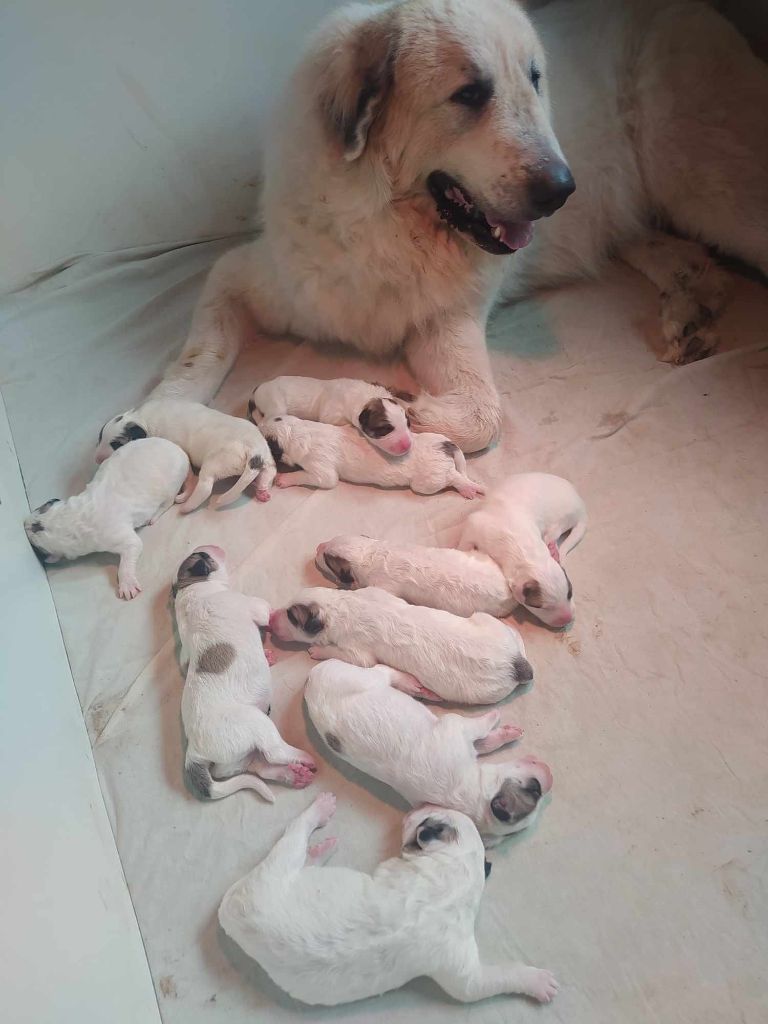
340, 402
369, 722
331, 935
232, 744
133, 489
220, 445
461, 582
327, 454
521, 525
475, 660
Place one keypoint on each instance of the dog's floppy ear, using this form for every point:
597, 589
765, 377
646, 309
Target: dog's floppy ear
356, 78
306, 617
432, 830
532, 595
341, 569
513, 802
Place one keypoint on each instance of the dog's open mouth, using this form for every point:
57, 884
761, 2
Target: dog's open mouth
457, 208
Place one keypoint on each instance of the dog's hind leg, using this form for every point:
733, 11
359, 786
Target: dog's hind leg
201, 492
472, 980
289, 854
129, 550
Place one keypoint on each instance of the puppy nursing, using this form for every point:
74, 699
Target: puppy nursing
366, 720
332, 935
220, 445
375, 410
232, 744
475, 660
327, 454
131, 490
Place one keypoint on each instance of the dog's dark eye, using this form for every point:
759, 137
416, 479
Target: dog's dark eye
535, 77
475, 95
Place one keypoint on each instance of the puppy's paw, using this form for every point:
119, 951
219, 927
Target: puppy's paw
320, 852
282, 480
539, 984
324, 808
305, 759
270, 656
471, 490
128, 588
263, 496
315, 653
423, 693
301, 775
509, 733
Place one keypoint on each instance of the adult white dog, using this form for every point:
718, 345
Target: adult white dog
415, 150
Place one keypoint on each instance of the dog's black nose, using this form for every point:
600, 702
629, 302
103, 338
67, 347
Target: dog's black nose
550, 187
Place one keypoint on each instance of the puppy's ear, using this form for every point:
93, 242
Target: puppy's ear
306, 617
433, 831
373, 419
196, 567
531, 594
134, 432
356, 77
44, 507
341, 569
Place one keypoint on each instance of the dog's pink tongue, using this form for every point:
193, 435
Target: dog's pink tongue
514, 236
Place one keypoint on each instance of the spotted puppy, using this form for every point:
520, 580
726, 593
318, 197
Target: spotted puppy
220, 445
131, 490
332, 935
232, 744
375, 410
369, 722
462, 582
327, 454
526, 526
477, 660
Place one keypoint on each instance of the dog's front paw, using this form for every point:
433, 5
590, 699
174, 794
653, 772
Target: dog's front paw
539, 984
315, 653
324, 808
302, 775
509, 733
271, 657
263, 495
471, 491
302, 757
282, 480
128, 588
320, 852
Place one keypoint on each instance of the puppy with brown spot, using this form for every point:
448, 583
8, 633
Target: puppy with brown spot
231, 742
327, 454
366, 719
375, 410
475, 660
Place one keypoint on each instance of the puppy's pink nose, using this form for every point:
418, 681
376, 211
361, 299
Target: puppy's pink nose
565, 619
401, 447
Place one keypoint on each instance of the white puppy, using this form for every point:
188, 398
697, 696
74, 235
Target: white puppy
462, 582
527, 525
477, 660
375, 409
369, 722
333, 935
131, 490
219, 445
327, 454
228, 689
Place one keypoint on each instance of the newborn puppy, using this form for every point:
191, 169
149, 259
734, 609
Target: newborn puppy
461, 582
527, 525
228, 689
327, 454
374, 409
477, 660
331, 935
367, 721
220, 445
131, 490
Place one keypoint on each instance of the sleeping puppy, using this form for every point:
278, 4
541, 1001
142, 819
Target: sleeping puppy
220, 445
228, 689
332, 935
131, 490
460, 582
327, 454
369, 722
477, 660
375, 410
526, 526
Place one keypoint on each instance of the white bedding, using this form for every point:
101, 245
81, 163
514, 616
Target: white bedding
643, 886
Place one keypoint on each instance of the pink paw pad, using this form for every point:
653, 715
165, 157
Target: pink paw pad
554, 550
281, 481
510, 732
324, 807
322, 849
263, 495
303, 776
271, 657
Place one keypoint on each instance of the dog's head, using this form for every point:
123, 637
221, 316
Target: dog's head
385, 423
40, 527
546, 592
306, 619
450, 98
512, 791
205, 564
116, 432
344, 559
430, 830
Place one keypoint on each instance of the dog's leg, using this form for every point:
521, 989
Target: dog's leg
236, 489
472, 980
129, 551
202, 491
296, 775
259, 611
449, 359
319, 853
498, 738
289, 854
325, 653
264, 482
161, 511
467, 488
187, 488
693, 289
409, 684
270, 747
324, 479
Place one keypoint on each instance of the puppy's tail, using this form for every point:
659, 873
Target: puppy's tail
454, 452
197, 775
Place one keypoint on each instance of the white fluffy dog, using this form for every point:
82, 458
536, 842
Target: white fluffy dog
327, 454
332, 935
219, 445
377, 411
477, 660
369, 722
228, 689
133, 489
462, 582
527, 525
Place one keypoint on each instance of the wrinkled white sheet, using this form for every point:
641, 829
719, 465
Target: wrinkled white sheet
644, 884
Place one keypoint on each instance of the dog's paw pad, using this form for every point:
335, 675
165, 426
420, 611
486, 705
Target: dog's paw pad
271, 657
315, 653
129, 589
510, 733
319, 852
541, 985
324, 808
301, 776
282, 481
264, 495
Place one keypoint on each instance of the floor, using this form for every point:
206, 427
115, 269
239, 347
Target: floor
643, 885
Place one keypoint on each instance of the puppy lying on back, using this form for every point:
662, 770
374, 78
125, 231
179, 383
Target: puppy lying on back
477, 660
332, 935
327, 454
461, 582
220, 445
526, 526
133, 489
368, 722
228, 689
375, 410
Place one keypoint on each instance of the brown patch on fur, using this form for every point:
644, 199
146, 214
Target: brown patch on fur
256, 462
216, 659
